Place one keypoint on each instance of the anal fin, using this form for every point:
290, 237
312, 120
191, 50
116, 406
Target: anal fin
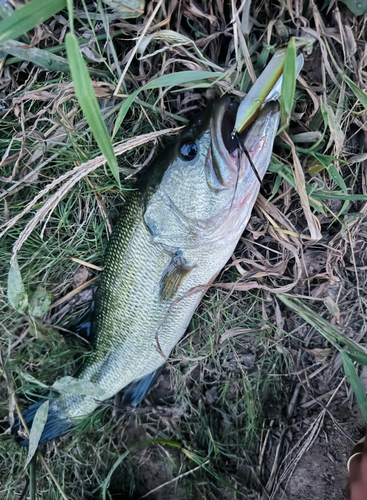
137, 390
173, 276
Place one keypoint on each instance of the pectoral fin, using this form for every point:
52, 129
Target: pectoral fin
173, 276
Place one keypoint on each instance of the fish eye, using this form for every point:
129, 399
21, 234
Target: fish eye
189, 150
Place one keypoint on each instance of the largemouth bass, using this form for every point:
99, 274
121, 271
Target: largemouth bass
178, 229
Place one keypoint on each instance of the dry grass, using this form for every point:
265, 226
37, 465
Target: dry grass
252, 386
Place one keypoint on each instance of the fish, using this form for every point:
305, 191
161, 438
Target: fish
177, 230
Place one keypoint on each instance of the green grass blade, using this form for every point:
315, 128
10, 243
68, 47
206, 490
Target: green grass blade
88, 102
333, 334
28, 17
32, 478
337, 178
333, 171
336, 195
360, 95
362, 360
123, 111
171, 80
70, 5
202, 462
355, 382
37, 429
288, 84
39, 57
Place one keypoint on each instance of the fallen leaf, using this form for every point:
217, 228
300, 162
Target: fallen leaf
17, 295
39, 302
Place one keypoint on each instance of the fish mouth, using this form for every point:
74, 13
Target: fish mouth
224, 144
230, 163
228, 121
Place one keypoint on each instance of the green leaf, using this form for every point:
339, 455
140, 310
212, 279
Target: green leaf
288, 84
106, 482
39, 57
39, 302
88, 102
171, 80
277, 183
355, 382
358, 7
71, 385
17, 295
337, 178
38, 425
333, 171
360, 95
28, 17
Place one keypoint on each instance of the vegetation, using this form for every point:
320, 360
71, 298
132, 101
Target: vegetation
265, 369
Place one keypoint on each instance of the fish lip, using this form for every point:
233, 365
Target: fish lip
221, 129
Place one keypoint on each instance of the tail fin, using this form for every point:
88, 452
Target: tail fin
57, 423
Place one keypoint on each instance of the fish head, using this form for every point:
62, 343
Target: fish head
205, 186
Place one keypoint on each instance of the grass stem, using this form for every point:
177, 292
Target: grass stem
32, 478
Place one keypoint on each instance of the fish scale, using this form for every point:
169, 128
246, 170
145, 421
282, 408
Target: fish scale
177, 230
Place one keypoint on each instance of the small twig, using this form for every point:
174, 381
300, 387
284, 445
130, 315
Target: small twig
263, 447
86, 264
19, 339
73, 292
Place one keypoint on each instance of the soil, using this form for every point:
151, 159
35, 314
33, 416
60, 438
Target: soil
322, 471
